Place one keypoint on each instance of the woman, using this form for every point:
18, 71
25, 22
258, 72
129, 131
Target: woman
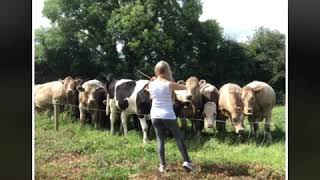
162, 113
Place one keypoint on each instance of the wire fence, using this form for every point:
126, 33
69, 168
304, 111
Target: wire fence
134, 113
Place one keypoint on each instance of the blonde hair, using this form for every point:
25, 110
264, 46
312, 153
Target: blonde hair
163, 68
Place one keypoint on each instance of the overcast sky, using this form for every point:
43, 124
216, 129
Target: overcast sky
239, 18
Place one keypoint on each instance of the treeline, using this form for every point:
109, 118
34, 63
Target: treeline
90, 37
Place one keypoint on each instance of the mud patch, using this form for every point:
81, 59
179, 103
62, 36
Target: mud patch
213, 171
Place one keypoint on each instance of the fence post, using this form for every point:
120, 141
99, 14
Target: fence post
56, 116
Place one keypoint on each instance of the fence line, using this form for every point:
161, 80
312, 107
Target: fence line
198, 119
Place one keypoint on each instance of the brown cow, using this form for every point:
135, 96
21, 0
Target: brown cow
91, 96
194, 95
258, 98
231, 107
51, 95
203, 98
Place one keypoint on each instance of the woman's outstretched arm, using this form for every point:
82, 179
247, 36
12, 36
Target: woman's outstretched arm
176, 86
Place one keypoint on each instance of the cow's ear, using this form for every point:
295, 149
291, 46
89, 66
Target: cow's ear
62, 81
202, 82
80, 89
146, 88
78, 81
101, 88
105, 102
181, 82
223, 111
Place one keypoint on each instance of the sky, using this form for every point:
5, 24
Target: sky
238, 18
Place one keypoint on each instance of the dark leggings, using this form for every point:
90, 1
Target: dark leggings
160, 125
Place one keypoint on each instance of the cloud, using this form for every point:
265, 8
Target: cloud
242, 17
37, 18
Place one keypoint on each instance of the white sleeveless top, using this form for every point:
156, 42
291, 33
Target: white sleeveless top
161, 95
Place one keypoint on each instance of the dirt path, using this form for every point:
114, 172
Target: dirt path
213, 171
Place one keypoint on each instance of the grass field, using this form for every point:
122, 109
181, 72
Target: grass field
75, 152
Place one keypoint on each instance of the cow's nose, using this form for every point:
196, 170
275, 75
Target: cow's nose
70, 93
241, 132
250, 110
209, 125
91, 101
189, 97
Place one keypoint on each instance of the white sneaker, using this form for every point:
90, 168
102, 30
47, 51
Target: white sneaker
187, 166
162, 168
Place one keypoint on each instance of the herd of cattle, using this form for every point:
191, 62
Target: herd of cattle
121, 98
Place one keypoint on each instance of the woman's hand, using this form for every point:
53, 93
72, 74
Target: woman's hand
153, 78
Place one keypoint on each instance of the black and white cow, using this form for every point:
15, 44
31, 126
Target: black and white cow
122, 97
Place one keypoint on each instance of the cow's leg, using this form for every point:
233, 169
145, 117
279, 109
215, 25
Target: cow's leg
124, 118
151, 132
267, 126
184, 125
254, 126
144, 127
113, 118
49, 113
83, 115
95, 119
221, 124
56, 108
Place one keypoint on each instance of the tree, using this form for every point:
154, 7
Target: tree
82, 45
85, 34
267, 50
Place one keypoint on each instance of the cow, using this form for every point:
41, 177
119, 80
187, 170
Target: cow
258, 98
91, 96
199, 100
52, 95
194, 96
210, 96
74, 109
184, 107
110, 82
122, 98
231, 107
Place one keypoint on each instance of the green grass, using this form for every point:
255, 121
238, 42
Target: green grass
74, 151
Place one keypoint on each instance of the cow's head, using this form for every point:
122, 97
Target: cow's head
91, 94
235, 111
109, 90
237, 119
193, 89
187, 109
209, 114
248, 97
70, 85
109, 85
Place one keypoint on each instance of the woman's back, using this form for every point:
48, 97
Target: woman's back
161, 95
